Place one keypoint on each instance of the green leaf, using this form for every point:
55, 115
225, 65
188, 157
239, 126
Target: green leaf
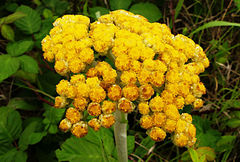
9, 156
237, 3
29, 136
90, 148
208, 152
233, 123
194, 155
28, 64
21, 156
236, 104
19, 103
30, 23
146, 142
8, 66
10, 125
52, 117
11, 7
225, 143
31, 77
178, 8
47, 13
119, 4
20, 47
214, 24
148, 10
130, 144
11, 18
237, 114
96, 12
45, 28
7, 32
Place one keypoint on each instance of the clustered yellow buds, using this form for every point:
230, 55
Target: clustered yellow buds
153, 70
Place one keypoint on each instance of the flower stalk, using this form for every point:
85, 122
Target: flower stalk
120, 134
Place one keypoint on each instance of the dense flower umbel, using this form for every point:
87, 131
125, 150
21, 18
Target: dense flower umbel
155, 72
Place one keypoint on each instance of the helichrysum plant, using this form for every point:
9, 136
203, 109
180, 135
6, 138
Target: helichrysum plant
153, 72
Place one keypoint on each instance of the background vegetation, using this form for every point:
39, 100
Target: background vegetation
29, 123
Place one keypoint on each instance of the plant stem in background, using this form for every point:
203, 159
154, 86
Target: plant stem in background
120, 133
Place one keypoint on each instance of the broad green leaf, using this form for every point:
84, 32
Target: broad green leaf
5, 147
14, 155
19, 103
29, 136
48, 81
31, 77
146, 142
206, 136
130, 144
20, 47
90, 148
7, 32
10, 125
148, 10
8, 66
31, 23
119, 4
11, 18
208, 152
52, 118
9, 156
28, 64
20, 156
225, 143
233, 123
57, 6
45, 28
194, 155
178, 8
214, 24
96, 12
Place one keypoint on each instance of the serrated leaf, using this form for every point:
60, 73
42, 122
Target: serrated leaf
10, 125
233, 123
146, 142
52, 118
7, 32
91, 148
19, 103
28, 64
130, 144
20, 47
119, 4
29, 136
31, 23
148, 10
8, 66
9, 156
96, 12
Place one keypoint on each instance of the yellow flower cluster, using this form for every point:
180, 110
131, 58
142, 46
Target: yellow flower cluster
69, 44
153, 70
86, 95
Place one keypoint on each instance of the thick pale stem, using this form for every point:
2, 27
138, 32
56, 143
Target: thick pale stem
120, 133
